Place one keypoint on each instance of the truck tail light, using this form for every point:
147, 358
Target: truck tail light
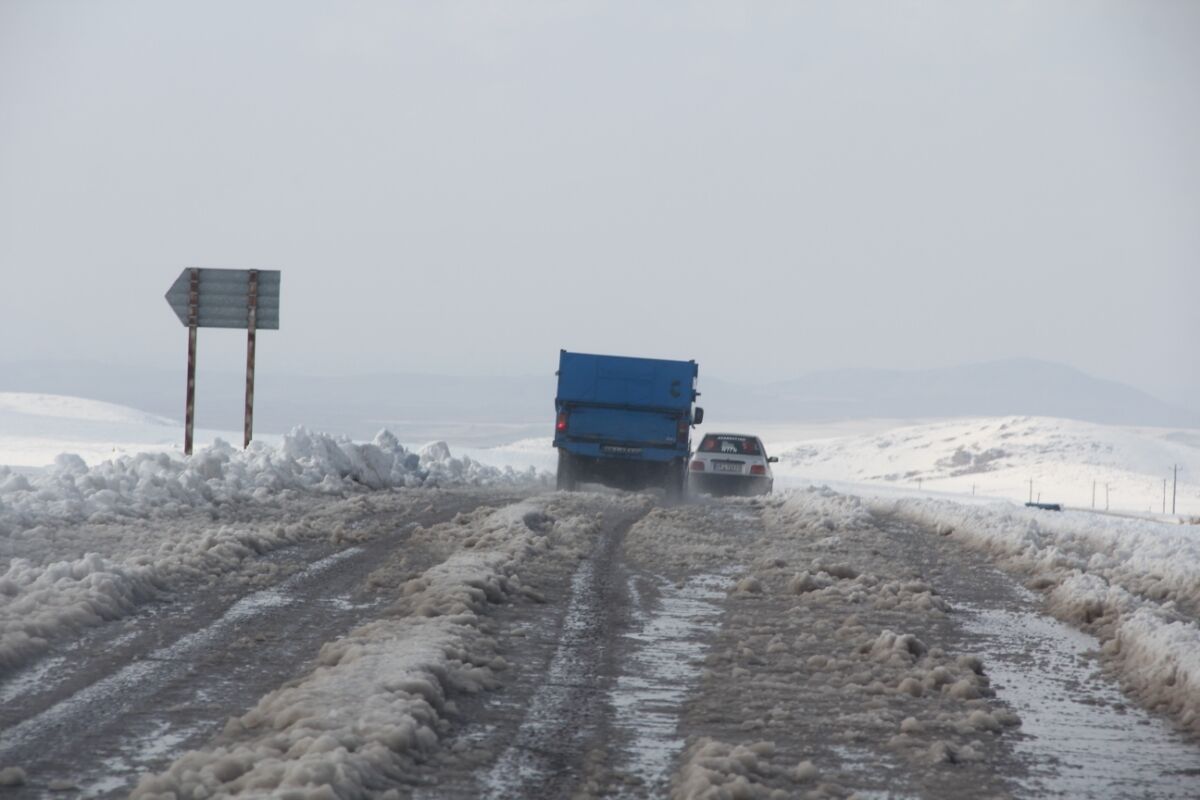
758, 469
697, 466
681, 433
561, 423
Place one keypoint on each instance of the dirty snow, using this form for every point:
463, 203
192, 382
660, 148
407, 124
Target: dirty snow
825, 632
1133, 583
88, 544
379, 699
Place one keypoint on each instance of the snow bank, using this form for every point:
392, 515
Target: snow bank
378, 701
375, 701
136, 486
63, 577
1153, 560
1134, 583
37, 603
1158, 656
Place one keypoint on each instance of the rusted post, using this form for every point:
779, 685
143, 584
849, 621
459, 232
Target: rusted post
193, 323
251, 327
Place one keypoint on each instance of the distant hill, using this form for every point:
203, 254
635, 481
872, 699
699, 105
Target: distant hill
996, 388
359, 405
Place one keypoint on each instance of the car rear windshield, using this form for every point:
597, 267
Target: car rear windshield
733, 445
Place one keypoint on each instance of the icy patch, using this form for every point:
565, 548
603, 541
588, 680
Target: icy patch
166, 662
866, 762
347, 604
30, 679
160, 742
662, 669
1082, 738
519, 765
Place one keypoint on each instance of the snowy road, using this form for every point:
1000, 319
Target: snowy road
505, 644
132, 695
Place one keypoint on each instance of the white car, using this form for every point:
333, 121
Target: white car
731, 463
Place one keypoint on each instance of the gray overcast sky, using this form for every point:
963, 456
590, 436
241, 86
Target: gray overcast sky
768, 188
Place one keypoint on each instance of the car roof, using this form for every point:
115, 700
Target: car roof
727, 433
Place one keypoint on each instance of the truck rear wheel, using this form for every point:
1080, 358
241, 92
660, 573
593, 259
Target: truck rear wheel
565, 478
675, 481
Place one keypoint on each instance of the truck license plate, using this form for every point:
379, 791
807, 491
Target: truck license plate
618, 450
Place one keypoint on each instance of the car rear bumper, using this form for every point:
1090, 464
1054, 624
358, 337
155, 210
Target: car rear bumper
716, 484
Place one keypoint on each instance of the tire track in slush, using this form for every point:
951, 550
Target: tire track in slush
569, 707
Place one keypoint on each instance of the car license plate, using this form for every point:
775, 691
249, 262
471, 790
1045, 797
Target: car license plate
719, 466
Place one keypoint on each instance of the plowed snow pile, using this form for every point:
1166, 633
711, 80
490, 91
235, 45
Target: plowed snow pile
1133, 583
162, 485
379, 700
84, 545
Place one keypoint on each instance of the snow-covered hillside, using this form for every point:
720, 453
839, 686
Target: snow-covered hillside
998, 456
75, 408
36, 428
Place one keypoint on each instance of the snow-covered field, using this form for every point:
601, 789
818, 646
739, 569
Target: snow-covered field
997, 457
36, 428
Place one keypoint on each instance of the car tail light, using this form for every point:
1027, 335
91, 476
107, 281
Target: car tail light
697, 466
561, 424
758, 469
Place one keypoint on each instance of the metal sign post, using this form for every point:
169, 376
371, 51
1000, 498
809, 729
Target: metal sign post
224, 298
251, 327
189, 412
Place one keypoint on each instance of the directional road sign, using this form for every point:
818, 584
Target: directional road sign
223, 299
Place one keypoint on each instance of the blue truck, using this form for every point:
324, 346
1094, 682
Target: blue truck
624, 422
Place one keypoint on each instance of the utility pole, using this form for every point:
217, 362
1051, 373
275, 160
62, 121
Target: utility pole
1093, 494
972, 490
1031, 490
1164, 495
1174, 484
1106, 497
